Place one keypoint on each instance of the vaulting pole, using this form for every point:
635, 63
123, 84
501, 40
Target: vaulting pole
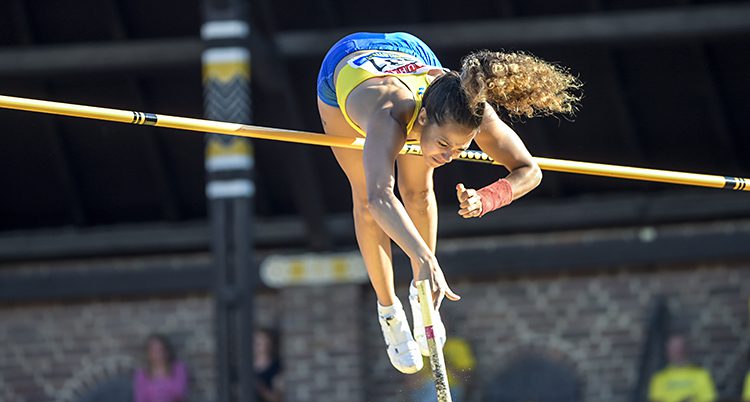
437, 360
183, 123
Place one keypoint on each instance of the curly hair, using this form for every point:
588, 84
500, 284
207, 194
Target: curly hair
521, 84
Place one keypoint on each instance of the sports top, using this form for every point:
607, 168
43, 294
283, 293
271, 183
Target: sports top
380, 63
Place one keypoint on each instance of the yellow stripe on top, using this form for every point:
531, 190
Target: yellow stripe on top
379, 63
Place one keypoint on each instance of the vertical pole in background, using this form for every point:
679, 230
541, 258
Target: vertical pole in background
437, 361
230, 190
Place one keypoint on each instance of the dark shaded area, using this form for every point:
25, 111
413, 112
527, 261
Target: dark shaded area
535, 377
653, 356
675, 105
116, 389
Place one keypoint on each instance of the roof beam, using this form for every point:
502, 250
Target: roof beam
587, 251
528, 217
622, 27
154, 279
642, 27
592, 251
96, 57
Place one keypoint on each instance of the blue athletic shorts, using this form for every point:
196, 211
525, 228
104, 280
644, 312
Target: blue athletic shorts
398, 41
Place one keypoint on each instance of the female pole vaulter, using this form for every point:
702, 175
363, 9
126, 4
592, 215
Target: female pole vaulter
390, 88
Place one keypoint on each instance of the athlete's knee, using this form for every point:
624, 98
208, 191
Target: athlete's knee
419, 199
362, 209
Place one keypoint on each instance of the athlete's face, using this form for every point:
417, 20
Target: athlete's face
443, 143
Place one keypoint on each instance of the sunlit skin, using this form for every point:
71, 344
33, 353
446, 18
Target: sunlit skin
383, 107
442, 144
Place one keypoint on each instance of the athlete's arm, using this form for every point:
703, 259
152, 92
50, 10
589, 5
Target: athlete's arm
502, 144
385, 138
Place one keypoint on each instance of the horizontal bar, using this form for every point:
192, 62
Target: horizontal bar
105, 56
594, 250
102, 283
473, 259
184, 123
526, 217
643, 27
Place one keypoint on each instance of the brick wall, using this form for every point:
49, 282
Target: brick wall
322, 343
333, 349
58, 352
594, 322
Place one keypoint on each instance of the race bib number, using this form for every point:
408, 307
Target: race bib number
381, 62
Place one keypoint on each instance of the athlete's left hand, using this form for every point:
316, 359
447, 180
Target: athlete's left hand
469, 200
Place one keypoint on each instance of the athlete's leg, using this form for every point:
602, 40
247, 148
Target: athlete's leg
374, 244
375, 247
418, 196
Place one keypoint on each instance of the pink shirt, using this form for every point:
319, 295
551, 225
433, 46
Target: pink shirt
161, 389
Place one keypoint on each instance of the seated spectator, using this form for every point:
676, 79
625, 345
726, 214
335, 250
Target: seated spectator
681, 381
163, 379
267, 367
459, 362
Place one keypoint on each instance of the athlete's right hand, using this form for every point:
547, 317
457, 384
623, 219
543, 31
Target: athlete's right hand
430, 269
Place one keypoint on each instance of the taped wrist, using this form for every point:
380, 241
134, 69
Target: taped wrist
495, 196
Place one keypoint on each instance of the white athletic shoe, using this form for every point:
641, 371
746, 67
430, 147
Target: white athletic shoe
402, 349
437, 324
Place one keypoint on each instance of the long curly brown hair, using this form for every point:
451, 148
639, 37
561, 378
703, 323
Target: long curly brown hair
520, 83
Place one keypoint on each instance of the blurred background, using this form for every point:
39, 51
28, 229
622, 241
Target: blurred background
571, 294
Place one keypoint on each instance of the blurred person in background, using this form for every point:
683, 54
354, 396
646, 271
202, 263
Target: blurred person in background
391, 89
681, 381
267, 366
163, 379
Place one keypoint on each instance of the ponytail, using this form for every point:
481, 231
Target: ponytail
520, 83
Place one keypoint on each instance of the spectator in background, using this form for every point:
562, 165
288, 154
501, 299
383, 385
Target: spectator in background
267, 366
163, 379
459, 363
681, 381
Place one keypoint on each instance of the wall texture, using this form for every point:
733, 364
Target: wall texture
593, 323
333, 351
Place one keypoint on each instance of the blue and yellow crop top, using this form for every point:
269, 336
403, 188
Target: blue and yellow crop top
380, 63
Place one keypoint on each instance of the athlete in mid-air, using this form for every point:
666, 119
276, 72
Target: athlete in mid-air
390, 88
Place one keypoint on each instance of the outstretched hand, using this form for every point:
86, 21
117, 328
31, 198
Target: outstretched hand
470, 202
431, 270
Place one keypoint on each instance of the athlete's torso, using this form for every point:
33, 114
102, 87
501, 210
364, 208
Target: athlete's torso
386, 68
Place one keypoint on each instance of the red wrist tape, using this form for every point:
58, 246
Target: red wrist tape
495, 196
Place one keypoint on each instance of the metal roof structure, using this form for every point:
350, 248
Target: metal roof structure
665, 86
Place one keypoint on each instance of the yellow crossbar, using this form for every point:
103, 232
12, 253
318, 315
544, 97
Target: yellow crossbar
243, 130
